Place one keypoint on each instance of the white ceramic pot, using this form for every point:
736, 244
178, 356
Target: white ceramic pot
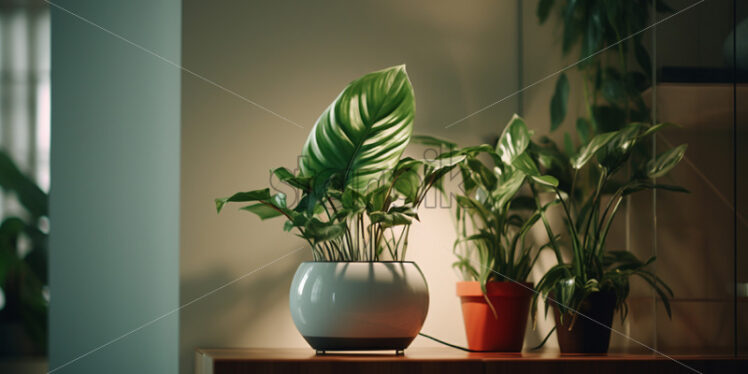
359, 305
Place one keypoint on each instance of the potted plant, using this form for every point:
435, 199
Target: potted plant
358, 198
492, 220
587, 290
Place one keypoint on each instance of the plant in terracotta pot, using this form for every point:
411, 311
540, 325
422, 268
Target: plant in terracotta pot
494, 256
586, 290
358, 198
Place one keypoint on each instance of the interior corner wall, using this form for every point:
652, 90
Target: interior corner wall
115, 186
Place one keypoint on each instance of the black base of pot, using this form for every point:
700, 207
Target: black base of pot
591, 332
358, 344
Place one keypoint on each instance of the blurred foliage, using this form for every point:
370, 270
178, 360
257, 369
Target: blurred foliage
23, 272
613, 138
615, 65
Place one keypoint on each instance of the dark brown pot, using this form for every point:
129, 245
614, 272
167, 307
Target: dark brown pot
587, 336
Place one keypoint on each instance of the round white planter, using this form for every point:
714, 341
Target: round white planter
359, 305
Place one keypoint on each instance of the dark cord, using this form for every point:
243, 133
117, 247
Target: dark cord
448, 344
455, 346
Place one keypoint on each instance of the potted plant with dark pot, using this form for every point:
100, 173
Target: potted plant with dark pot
492, 220
358, 198
586, 290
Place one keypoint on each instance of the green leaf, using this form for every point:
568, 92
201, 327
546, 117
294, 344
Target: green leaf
270, 209
256, 195
474, 207
288, 226
593, 33
390, 219
589, 150
653, 129
285, 176
473, 151
559, 101
525, 163
545, 180
353, 200
376, 198
406, 164
550, 158
613, 90
658, 286
432, 141
320, 188
508, 189
612, 12
584, 129
263, 211
320, 231
618, 149
436, 169
572, 25
276, 206
407, 184
543, 10
564, 291
282, 173
486, 176
362, 134
404, 209
568, 144
666, 161
513, 140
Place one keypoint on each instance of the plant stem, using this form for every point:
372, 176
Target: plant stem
548, 230
595, 205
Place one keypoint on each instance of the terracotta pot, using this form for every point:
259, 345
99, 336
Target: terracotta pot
587, 336
504, 332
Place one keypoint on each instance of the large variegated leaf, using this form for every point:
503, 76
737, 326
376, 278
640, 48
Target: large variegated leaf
362, 134
513, 140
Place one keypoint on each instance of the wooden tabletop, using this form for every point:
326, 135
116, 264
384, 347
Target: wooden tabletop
447, 360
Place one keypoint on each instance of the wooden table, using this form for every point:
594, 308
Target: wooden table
447, 360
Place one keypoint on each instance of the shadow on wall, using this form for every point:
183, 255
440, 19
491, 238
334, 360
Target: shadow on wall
236, 310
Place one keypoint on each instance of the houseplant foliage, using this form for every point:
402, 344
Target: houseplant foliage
492, 217
610, 157
358, 196
592, 268
23, 273
492, 221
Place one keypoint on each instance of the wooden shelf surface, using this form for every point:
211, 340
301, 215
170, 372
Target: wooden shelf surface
447, 360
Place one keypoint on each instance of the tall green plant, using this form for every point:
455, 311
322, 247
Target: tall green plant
492, 217
592, 268
358, 196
